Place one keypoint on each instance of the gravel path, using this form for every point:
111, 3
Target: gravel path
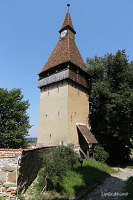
113, 188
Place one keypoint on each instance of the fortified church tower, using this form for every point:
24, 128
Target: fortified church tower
63, 84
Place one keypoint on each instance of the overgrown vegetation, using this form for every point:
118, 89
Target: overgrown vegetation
14, 120
129, 189
57, 162
63, 176
111, 103
84, 177
100, 154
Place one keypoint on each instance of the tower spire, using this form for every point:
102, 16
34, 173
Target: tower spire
68, 22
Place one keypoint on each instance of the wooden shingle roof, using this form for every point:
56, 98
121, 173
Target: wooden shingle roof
89, 137
67, 22
66, 50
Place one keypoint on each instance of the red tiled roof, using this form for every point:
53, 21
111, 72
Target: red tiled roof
66, 50
87, 134
67, 22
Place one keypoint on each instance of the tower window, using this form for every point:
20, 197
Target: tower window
58, 113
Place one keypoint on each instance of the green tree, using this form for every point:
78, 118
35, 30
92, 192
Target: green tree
111, 103
14, 121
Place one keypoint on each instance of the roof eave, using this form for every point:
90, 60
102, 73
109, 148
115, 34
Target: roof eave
67, 27
67, 62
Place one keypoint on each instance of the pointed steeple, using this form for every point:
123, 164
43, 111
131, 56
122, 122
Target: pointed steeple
67, 23
66, 49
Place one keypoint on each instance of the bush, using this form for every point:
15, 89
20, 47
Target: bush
75, 180
56, 163
100, 154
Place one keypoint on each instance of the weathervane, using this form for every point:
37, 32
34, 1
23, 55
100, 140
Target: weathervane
68, 5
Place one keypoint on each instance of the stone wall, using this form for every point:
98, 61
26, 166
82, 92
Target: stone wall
18, 169
9, 159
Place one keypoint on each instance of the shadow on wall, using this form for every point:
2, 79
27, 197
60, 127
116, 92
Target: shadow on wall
29, 168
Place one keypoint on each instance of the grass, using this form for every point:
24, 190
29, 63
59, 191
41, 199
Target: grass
85, 177
100, 166
71, 181
129, 189
130, 167
79, 178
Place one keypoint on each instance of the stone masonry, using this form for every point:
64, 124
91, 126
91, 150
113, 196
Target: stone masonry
18, 169
9, 160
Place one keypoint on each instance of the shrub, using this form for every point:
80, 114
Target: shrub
100, 154
56, 163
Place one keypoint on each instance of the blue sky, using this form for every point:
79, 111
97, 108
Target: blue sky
29, 33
